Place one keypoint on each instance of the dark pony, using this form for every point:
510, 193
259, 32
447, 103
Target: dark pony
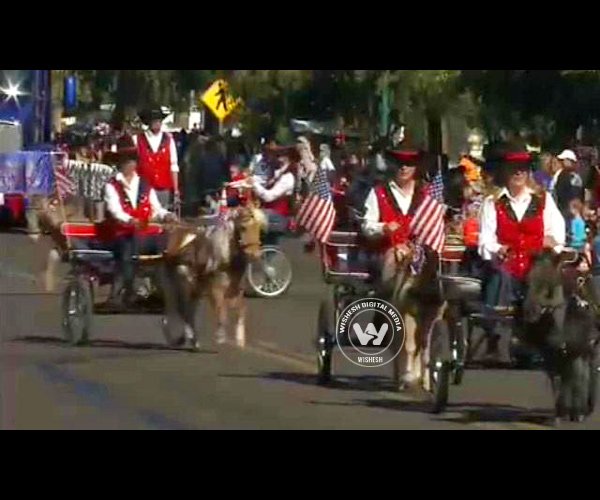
560, 320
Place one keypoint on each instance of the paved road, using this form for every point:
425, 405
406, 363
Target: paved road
127, 379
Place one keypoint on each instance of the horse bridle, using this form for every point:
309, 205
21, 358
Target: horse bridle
580, 301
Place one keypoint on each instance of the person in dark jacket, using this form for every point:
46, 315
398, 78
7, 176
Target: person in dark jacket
567, 185
361, 183
210, 169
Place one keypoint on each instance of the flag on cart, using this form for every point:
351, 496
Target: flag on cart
427, 225
65, 183
317, 213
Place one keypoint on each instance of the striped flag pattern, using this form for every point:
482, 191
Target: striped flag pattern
65, 183
436, 188
427, 226
317, 213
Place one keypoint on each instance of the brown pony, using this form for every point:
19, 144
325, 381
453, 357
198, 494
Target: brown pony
49, 215
212, 258
417, 295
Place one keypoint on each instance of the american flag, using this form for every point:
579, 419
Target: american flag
65, 184
436, 188
427, 226
317, 213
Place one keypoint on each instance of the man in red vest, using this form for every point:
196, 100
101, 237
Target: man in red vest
516, 225
157, 154
131, 204
276, 197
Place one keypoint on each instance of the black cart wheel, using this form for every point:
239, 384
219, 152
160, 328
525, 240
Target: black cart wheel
458, 345
325, 341
77, 310
440, 366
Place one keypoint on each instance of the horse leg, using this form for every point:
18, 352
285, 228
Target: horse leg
409, 375
189, 327
219, 304
51, 270
239, 305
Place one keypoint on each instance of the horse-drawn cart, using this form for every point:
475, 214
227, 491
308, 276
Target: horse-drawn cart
562, 333
92, 266
74, 218
348, 271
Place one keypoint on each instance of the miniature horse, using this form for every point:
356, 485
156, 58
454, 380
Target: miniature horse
212, 259
417, 295
560, 320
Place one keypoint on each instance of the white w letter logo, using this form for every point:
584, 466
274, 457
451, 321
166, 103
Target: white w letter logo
370, 333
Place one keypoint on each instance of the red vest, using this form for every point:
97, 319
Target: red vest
153, 167
390, 212
112, 228
280, 206
524, 239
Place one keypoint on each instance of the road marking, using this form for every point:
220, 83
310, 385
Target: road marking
279, 356
270, 346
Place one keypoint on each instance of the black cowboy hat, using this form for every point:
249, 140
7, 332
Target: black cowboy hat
149, 115
406, 156
507, 157
504, 159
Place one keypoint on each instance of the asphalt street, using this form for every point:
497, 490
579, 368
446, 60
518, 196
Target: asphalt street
128, 379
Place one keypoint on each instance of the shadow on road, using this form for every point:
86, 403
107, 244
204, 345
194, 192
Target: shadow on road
361, 383
117, 344
415, 402
469, 413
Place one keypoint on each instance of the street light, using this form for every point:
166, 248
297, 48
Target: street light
12, 91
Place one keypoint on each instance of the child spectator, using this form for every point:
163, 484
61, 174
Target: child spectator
234, 195
578, 233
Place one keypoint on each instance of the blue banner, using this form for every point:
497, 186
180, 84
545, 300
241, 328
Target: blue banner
39, 173
70, 93
27, 172
12, 173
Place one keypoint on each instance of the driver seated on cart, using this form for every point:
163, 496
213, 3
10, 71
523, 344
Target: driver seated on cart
391, 206
517, 224
131, 204
390, 209
276, 196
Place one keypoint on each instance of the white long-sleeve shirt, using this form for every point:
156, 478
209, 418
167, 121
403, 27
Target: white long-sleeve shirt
284, 186
327, 165
371, 225
113, 202
154, 140
554, 223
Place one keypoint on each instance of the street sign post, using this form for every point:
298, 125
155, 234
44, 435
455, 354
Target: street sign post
220, 101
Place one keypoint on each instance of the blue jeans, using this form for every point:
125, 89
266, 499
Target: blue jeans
278, 225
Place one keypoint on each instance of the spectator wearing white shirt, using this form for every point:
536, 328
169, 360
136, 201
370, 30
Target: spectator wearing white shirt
325, 162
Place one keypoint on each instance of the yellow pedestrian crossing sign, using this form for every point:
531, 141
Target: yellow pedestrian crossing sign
219, 100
